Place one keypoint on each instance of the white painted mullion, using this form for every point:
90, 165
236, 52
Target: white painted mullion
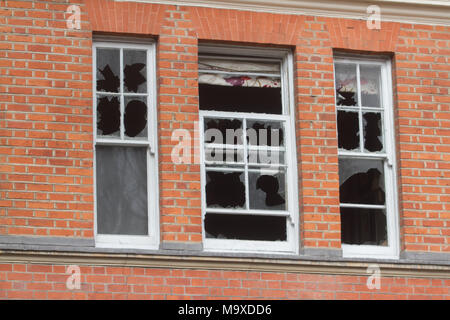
362, 206
358, 92
256, 212
122, 100
244, 133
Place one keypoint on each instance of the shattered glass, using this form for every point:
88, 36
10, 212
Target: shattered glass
373, 139
361, 181
223, 131
134, 62
108, 65
225, 189
346, 85
135, 116
265, 133
267, 191
348, 130
108, 116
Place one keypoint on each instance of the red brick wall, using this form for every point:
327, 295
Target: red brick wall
46, 121
46, 140
22, 281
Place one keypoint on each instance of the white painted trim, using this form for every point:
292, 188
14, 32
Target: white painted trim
432, 12
392, 251
291, 245
151, 241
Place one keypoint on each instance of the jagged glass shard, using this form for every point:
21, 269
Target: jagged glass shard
373, 139
108, 116
361, 181
135, 117
225, 190
135, 71
108, 64
348, 130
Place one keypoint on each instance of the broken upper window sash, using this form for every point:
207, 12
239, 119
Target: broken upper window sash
122, 106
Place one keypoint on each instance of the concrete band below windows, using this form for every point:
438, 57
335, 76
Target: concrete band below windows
15, 249
222, 263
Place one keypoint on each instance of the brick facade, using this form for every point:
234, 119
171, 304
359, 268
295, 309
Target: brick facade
46, 142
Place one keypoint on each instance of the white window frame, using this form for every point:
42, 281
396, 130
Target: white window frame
291, 245
391, 251
150, 241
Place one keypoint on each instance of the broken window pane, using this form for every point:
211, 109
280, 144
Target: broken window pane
363, 226
223, 131
361, 181
370, 85
263, 156
108, 115
223, 155
265, 133
135, 71
245, 227
225, 189
108, 65
135, 116
346, 85
348, 130
373, 139
267, 191
240, 99
121, 190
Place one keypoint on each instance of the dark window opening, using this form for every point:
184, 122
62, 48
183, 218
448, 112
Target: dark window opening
348, 130
224, 125
245, 227
108, 114
346, 98
363, 226
240, 99
361, 181
372, 131
135, 117
225, 189
263, 132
